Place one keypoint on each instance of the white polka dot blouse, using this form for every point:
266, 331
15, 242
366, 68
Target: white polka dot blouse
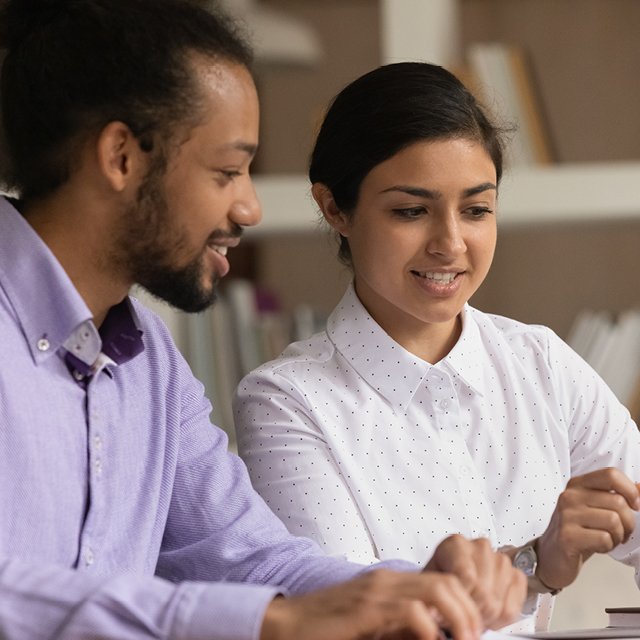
374, 453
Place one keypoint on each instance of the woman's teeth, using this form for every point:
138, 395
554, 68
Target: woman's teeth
443, 278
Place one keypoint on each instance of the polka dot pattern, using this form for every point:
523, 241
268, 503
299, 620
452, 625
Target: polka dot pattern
376, 454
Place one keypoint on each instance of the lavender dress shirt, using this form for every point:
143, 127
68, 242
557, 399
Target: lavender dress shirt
122, 515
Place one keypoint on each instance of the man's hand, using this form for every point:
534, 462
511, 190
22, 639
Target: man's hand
594, 514
380, 604
497, 588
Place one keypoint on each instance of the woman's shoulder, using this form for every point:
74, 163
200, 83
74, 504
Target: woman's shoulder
509, 329
316, 350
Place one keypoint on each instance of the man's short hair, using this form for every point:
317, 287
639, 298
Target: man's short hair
73, 66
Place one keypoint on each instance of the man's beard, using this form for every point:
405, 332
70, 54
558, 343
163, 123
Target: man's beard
148, 243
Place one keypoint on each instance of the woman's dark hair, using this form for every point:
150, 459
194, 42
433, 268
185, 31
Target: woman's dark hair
385, 111
72, 66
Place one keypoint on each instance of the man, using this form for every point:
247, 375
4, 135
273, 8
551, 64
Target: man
130, 127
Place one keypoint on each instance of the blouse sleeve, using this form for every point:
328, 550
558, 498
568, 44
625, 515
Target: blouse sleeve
292, 467
602, 432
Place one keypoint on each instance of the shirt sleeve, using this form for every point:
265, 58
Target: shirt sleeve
314, 498
219, 528
63, 604
601, 430
224, 557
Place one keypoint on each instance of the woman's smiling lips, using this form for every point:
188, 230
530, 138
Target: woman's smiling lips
440, 283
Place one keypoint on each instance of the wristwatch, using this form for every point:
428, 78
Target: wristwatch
526, 559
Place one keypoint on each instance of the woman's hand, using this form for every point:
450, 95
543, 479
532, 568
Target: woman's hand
594, 514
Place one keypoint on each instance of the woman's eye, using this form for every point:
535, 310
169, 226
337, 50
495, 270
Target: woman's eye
479, 212
409, 212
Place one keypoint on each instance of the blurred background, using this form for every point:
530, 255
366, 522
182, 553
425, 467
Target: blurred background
565, 72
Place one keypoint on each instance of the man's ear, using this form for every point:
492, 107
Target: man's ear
119, 155
332, 214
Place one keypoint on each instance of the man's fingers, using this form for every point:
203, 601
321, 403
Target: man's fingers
500, 593
378, 604
489, 577
456, 610
512, 600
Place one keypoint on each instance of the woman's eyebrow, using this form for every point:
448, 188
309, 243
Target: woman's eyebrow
485, 186
415, 191
432, 194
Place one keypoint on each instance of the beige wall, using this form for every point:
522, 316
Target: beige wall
586, 55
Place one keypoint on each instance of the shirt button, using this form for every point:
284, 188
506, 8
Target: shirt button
97, 441
98, 466
78, 376
464, 471
445, 404
43, 344
88, 558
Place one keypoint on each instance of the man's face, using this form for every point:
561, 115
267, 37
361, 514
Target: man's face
174, 238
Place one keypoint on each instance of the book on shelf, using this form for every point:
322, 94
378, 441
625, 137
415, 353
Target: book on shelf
568, 634
500, 74
585, 634
611, 345
624, 617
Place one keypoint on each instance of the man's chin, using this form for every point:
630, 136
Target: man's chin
186, 300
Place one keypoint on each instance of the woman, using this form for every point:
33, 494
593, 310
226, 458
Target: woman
415, 415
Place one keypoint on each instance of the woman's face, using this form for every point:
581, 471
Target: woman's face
422, 238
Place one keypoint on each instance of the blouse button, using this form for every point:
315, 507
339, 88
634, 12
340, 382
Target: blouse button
43, 344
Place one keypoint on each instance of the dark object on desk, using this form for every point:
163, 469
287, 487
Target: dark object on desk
624, 616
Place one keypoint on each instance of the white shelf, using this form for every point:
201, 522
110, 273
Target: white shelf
547, 194
287, 204
577, 193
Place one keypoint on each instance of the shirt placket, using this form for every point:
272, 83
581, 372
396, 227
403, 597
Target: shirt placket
97, 429
470, 486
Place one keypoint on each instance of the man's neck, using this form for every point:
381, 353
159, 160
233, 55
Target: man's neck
77, 234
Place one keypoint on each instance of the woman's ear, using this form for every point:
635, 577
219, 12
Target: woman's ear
332, 214
119, 156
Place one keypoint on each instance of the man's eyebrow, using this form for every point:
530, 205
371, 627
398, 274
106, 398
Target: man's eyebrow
247, 147
431, 194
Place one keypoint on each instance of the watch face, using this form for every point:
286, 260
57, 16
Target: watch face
526, 560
